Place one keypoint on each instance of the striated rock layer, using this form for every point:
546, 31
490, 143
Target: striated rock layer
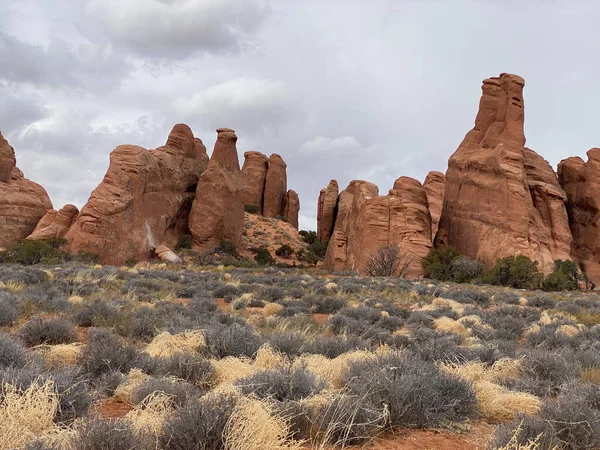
143, 201
254, 174
22, 202
581, 182
367, 221
434, 185
218, 210
501, 199
327, 210
55, 224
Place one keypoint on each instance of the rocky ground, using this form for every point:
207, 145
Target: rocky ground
153, 357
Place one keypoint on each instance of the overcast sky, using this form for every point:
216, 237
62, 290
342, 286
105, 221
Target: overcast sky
344, 89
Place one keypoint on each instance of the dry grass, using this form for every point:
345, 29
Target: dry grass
167, 344
61, 355
588, 318
513, 444
271, 309
498, 404
134, 379
15, 286
591, 375
269, 358
568, 330
230, 369
457, 307
27, 415
149, 416
472, 371
446, 324
254, 425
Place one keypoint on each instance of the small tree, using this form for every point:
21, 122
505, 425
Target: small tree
285, 251
185, 242
515, 271
386, 262
564, 277
465, 269
438, 263
308, 236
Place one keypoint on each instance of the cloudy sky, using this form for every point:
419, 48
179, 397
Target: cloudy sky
344, 89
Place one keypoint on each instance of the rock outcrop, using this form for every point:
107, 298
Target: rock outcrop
292, 208
22, 202
167, 255
55, 224
218, 210
275, 187
254, 174
434, 187
367, 222
501, 199
581, 182
144, 199
327, 210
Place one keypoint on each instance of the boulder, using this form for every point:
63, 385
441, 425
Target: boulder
218, 210
144, 199
581, 182
292, 208
434, 187
254, 174
55, 224
165, 254
23, 203
326, 210
275, 187
499, 198
367, 222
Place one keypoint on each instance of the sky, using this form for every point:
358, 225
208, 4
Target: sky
342, 89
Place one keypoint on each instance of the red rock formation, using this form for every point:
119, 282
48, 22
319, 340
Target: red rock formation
218, 210
165, 254
143, 200
254, 174
55, 224
22, 202
326, 210
367, 222
581, 182
275, 187
292, 208
434, 187
494, 187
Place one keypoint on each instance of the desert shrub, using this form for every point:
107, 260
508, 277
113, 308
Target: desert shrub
184, 242
325, 305
289, 343
96, 312
308, 236
545, 371
12, 353
263, 257
194, 369
465, 269
227, 248
87, 258
106, 385
469, 296
334, 346
541, 301
131, 261
39, 444
282, 383
252, 209
438, 263
47, 331
101, 434
28, 252
44, 297
9, 308
415, 392
507, 297
518, 272
565, 276
178, 391
199, 422
285, 251
106, 353
227, 292
271, 293
318, 249
201, 305
387, 261
234, 340
282, 218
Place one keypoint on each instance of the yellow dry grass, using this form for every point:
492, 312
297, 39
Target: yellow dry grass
76, 299
149, 416
61, 355
568, 330
271, 309
545, 319
167, 344
498, 404
231, 369
514, 444
472, 371
446, 324
268, 358
15, 286
134, 379
27, 415
457, 307
591, 375
254, 425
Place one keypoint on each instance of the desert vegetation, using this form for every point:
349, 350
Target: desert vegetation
224, 357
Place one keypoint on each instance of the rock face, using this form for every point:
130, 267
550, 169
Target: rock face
55, 224
218, 210
254, 174
165, 254
581, 182
275, 187
292, 208
434, 187
144, 199
501, 199
367, 221
327, 210
22, 202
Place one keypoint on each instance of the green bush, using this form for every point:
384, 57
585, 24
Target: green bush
252, 209
438, 263
518, 272
28, 252
564, 277
308, 236
185, 242
262, 256
285, 251
227, 248
131, 262
282, 218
